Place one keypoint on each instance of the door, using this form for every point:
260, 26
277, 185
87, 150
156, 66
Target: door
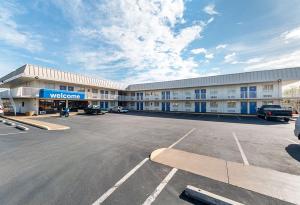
141, 106
106, 105
163, 106
197, 94
203, 106
163, 95
168, 106
244, 108
102, 105
203, 93
197, 107
137, 105
168, 95
253, 107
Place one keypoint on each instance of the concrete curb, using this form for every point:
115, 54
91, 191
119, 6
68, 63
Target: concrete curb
45, 127
20, 127
207, 197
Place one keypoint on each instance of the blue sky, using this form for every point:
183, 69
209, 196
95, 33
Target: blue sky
150, 40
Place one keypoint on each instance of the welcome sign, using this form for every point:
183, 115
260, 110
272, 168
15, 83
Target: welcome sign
61, 94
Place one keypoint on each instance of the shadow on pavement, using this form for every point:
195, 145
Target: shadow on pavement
206, 117
294, 151
184, 197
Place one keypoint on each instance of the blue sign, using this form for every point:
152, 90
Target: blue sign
61, 94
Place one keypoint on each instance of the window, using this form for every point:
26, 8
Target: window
94, 102
131, 104
252, 91
132, 94
147, 104
113, 103
188, 104
213, 94
94, 91
63, 87
268, 88
23, 104
156, 104
112, 92
175, 104
269, 102
231, 104
102, 92
231, 93
213, 104
80, 90
244, 91
70, 88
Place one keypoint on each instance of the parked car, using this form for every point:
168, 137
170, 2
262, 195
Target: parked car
297, 128
1, 110
93, 109
118, 109
269, 112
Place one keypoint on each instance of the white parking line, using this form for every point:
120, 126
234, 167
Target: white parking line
119, 183
131, 172
12, 133
241, 149
184, 136
160, 187
293, 141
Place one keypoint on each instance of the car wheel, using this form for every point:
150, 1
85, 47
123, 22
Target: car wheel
266, 117
286, 119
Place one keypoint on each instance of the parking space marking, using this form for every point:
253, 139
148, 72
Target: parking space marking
119, 183
160, 187
241, 149
131, 172
13, 133
292, 141
184, 136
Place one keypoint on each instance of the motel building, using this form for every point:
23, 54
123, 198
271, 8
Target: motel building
39, 90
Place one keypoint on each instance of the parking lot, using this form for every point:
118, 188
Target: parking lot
80, 165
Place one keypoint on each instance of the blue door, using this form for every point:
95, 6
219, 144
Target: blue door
102, 105
106, 105
168, 95
253, 107
141, 106
197, 94
197, 107
244, 92
137, 105
244, 108
203, 93
252, 91
163, 106
163, 95
168, 106
203, 106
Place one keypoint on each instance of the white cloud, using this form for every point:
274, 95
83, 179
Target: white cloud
11, 33
293, 34
138, 38
221, 46
44, 60
203, 51
281, 61
210, 9
230, 58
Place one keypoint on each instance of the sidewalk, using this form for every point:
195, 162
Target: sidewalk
269, 182
37, 123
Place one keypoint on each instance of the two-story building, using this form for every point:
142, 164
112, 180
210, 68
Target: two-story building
231, 93
44, 90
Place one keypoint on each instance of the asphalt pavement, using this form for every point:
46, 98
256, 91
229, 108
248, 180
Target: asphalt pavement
83, 164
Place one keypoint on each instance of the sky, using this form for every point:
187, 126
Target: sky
137, 41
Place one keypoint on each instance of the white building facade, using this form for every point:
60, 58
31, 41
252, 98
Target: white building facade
44, 90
